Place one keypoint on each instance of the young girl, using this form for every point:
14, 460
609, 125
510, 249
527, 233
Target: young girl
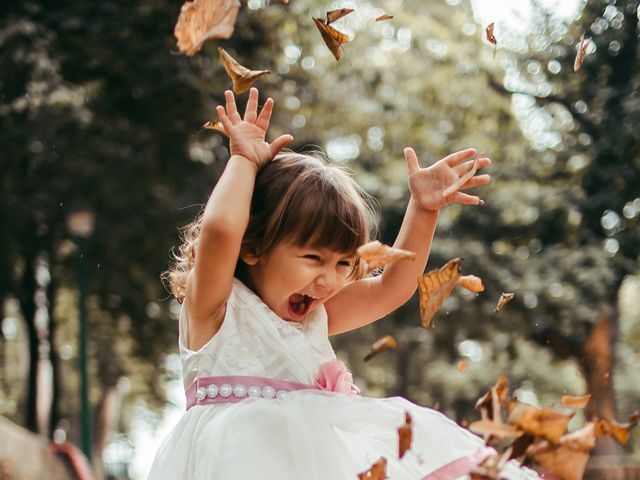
265, 275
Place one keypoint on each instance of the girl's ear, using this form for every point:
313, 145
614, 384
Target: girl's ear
249, 259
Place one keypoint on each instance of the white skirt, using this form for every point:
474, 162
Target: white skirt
313, 435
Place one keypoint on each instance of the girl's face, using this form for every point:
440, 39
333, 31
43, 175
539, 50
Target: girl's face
294, 280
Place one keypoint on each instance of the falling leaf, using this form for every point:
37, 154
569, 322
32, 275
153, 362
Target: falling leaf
575, 402
489, 33
463, 179
568, 459
461, 366
332, 37
491, 37
241, 77
581, 53
282, 2
405, 435
489, 428
619, 432
202, 20
215, 126
472, 283
381, 345
378, 471
377, 254
436, 286
334, 15
503, 300
541, 422
384, 17
489, 404
491, 467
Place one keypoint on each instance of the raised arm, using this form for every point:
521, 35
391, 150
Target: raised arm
370, 299
226, 215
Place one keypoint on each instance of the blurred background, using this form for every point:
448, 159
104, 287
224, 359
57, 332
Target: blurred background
103, 159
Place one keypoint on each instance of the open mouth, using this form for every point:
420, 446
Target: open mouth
300, 304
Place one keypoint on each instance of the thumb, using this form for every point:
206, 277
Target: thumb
279, 143
412, 160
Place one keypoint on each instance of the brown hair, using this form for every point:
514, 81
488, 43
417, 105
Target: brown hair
298, 198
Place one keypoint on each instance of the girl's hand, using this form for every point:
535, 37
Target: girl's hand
247, 135
427, 185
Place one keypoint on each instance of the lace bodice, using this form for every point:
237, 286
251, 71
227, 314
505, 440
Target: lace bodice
254, 341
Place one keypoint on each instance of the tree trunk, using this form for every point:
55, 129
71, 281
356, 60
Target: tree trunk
28, 306
596, 363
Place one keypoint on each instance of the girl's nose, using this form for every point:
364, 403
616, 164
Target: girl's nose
327, 280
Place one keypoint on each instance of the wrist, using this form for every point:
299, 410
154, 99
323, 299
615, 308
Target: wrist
236, 158
421, 209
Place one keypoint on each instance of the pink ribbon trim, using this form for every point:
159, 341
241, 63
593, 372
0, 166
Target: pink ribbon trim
460, 466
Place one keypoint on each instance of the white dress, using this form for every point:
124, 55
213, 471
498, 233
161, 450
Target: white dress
308, 434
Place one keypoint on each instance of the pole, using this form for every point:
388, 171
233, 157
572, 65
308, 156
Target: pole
84, 375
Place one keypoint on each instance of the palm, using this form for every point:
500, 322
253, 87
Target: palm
427, 185
247, 135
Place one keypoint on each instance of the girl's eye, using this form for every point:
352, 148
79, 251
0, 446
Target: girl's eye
312, 257
344, 263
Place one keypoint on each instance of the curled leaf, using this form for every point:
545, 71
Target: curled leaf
472, 283
492, 466
384, 17
491, 37
201, 20
333, 39
435, 287
377, 254
489, 34
215, 126
405, 435
241, 77
581, 53
575, 402
542, 422
378, 471
489, 404
463, 179
381, 345
503, 300
334, 15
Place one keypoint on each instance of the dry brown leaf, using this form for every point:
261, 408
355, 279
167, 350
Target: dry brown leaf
217, 126
491, 37
405, 435
333, 39
620, 432
541, 422
381, 345
241, 77
472, 283
569, 457
378, 471
384, 17
281, 2
463, 179
581, 53
503, 300
202, 20
575, 402
489, 404
461, 366
377, 254
489, 428
435, 287
334, 15
489, 33
492, 466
